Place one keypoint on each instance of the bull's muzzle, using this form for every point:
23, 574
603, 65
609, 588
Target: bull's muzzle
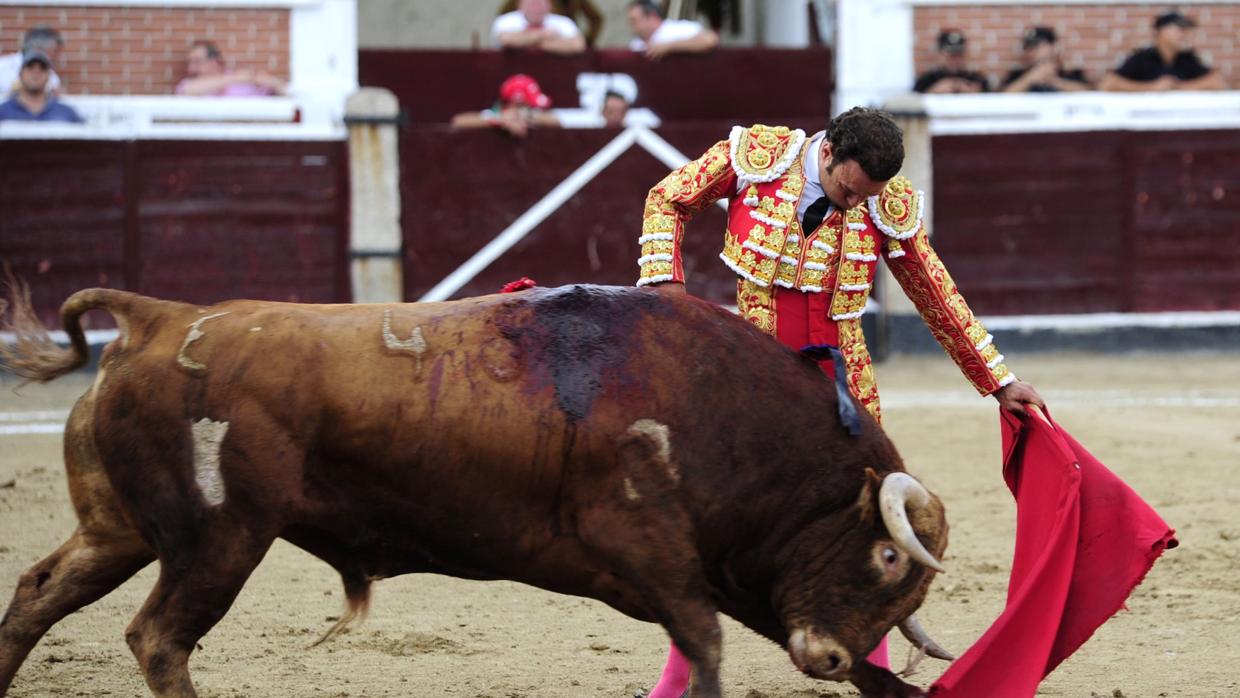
819, 656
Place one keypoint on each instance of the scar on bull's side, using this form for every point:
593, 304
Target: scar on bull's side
416, 344
208, 438
660, 437
195, 333
499, 357
646, 452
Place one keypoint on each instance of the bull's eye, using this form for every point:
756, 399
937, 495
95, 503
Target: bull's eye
890, 556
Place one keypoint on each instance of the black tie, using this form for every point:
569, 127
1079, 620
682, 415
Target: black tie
814, 215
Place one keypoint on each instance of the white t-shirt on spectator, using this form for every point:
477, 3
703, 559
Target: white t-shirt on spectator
564, 27
11, 70
670, 30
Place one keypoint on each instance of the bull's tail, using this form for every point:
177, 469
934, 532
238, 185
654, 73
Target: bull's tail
357, 602
31, 352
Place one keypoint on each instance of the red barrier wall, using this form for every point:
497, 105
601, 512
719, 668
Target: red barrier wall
460, 190
198, 221
1090, 222
751, 85
1027, 223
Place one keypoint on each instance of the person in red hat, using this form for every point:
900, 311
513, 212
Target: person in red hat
521, 106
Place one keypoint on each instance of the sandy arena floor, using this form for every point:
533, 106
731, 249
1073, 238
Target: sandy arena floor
1169, 425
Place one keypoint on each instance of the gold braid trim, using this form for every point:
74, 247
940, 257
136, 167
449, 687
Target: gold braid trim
674, 200
925, 280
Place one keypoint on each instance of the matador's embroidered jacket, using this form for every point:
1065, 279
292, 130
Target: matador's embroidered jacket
760, 170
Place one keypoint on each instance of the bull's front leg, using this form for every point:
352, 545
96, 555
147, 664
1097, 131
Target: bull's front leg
876, 682
634, 516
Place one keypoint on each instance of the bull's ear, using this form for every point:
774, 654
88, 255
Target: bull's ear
867, 501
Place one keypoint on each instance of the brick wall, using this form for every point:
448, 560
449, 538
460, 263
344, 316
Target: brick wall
141, 50
1095, 38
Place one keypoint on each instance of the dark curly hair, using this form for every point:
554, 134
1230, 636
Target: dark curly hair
871, 138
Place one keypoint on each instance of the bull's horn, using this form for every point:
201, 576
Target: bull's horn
913, 632
898, 491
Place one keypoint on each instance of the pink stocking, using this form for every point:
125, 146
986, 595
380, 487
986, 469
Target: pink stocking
879, 656
675, 678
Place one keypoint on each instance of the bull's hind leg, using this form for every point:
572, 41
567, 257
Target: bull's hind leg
101, 554
634, 517
193, 593
81, 571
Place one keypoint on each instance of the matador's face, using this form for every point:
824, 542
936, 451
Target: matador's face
845, 183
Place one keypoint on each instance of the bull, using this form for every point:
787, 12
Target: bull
655, 453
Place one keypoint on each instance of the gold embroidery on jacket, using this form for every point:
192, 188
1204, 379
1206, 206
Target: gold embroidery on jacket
756, 304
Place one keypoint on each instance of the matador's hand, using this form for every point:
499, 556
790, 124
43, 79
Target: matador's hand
1015, 395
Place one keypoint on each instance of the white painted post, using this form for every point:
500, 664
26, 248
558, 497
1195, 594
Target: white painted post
374, 182
873, 53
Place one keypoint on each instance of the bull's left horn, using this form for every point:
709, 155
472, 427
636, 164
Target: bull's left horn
913, 632
900, 490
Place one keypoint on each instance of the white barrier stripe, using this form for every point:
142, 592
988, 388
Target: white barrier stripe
31, 428
1062, 399
61, 337
527, 221
34, 416
1089, 322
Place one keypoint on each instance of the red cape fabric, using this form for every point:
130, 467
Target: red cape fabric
1084, 540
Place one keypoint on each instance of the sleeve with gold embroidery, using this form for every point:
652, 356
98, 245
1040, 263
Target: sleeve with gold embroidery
897, 212
673, 201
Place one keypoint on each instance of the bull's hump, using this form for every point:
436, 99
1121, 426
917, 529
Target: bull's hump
576, 340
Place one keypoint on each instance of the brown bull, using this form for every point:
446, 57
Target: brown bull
655, 453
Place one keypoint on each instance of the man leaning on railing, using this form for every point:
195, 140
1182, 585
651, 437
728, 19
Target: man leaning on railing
33, 100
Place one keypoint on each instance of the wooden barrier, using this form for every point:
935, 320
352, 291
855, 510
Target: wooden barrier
200, 221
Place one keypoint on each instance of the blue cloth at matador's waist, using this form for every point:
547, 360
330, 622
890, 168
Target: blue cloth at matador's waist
847, 407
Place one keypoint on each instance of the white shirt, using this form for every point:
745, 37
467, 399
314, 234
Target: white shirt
10, 73
510, 22
812, 191
670, 30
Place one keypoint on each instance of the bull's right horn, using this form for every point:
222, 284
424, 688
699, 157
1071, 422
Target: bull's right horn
913, 632
900, 490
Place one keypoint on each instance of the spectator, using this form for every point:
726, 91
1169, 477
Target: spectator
953, 76
1170, 64
615, 108
1042, 69
657, 36
532, 27
34, 100
522, 106
41, 38
206, 75
571, 9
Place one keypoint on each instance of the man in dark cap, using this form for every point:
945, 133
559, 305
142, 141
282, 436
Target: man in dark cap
1042, 69
33, 100
952, 76
1170, 64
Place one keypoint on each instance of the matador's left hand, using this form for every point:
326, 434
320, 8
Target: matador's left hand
1015, 395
